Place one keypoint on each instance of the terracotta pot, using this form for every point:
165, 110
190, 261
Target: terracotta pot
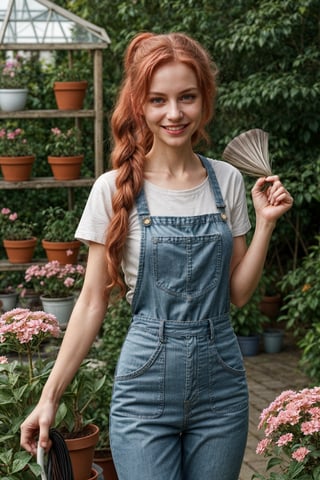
64, 252
20, 251
66, 168
270, 305
103, 458
94, 474
70, 95
81, 452
17, 169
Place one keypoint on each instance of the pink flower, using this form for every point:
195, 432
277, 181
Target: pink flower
284, 439
308, 428
69, 252
5, 211
13, 216
56, 131
262, 446
300, 454
3, 360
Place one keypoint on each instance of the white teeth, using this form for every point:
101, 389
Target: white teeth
175, 128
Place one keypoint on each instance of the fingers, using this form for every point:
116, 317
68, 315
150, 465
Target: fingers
276, 193
31, 434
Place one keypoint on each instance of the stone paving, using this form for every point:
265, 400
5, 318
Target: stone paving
268, 375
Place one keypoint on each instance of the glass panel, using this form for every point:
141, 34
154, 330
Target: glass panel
33, 22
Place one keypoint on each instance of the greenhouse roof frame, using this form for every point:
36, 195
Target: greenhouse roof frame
42, 25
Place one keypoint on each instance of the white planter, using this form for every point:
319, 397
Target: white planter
12, 100
60, 307
8, 301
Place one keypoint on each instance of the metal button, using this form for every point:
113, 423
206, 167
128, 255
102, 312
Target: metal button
224, 216
147, 221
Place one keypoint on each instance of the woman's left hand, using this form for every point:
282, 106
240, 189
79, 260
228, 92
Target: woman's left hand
271, 202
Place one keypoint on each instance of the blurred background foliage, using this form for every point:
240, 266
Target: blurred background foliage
268, 56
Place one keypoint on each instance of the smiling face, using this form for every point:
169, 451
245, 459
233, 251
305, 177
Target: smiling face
173, 110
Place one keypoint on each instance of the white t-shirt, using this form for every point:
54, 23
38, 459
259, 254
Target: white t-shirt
162, 202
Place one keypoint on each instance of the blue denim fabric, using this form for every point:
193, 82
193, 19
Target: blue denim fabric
180, 402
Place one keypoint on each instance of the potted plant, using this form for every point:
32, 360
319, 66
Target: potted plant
58, 234
13, 91
56, 285
22, 332
69, 89
16, 155
80, 431
65, 153
247, 323
8, 291
292, 430
17, 237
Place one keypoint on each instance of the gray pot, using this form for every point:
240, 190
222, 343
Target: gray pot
273, 340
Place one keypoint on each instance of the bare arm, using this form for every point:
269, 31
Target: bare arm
247, 263
83, 327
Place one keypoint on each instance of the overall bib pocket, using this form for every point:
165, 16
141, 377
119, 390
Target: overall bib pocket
180, 264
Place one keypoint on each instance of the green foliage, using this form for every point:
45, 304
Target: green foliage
301, 288
106, 352
67, 143
72, 417
60, 225
248, 320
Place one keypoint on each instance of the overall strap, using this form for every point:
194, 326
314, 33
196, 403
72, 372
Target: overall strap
213, 183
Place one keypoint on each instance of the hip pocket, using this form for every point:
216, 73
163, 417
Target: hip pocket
187, 267
139, 378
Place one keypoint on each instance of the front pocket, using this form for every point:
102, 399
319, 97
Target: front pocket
186, 266
139, 379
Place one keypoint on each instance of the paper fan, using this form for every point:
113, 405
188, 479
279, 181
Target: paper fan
249, 153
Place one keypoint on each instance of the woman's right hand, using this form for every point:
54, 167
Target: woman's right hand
36, 427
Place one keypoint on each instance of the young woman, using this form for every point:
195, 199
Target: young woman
175, 222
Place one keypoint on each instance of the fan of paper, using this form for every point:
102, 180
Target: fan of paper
249, 153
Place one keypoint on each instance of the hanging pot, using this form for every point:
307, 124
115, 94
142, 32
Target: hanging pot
20, 251
64, 252
17, 169
61, 308
13, 99
66, 168
81, 452
70, 95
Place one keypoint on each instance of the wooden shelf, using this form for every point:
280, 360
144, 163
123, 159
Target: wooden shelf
46, 182
5, 265
49, 114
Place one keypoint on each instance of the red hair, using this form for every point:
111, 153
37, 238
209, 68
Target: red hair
132, 138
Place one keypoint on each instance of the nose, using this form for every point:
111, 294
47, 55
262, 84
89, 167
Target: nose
174, 111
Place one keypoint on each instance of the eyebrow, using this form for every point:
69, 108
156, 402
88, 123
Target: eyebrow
187, 90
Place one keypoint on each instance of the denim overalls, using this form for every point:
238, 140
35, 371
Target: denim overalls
180, 402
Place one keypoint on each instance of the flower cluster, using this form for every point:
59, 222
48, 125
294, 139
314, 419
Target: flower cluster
64, 144
12, 73
13, 143
292, 434
12, 227
55, 280
22, 325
